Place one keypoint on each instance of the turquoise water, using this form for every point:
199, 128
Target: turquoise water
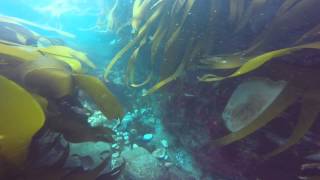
159, 89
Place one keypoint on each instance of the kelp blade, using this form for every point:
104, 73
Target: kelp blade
308, 114
21, 117
258, 61
47, 77
101, 95
281, 103
67, 52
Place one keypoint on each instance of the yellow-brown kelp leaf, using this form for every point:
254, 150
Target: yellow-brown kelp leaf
176, 33
310, 109
281, 103
22, 53
285, 7
222, 62
65, 53
43, 102
173, 46
211, 35
297, 87
130, 77
111, 17
257, 62
310, 35
191, 52
47, 77
140, 10
21, 117
284, 22
101, 95
141, 34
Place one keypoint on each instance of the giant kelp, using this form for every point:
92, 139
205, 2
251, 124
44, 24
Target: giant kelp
237, 36
172, 26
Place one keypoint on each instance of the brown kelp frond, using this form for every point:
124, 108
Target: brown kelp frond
310, 35
222, 62
176, 32
132, 64
168, 35
140, 9
288, 20
67, 54
111, 22
286, 6
158, 37
281, 103
308, 114
191, 52
21, 53
17, 106
36, 74
298, 88
170, 26
143, 31
101, 95
260, 60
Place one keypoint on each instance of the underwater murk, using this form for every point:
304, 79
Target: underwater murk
159, 89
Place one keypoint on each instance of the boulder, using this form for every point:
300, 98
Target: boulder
141, 165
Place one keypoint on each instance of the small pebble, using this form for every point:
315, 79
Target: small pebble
164, 143
166, 157
116, 154
126, 138
119, 138
115, 146
125, 134
168, 164
147, 137
135, 146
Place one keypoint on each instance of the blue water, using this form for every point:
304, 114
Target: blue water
75, 16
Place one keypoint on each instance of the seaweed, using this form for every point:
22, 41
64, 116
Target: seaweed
17, 107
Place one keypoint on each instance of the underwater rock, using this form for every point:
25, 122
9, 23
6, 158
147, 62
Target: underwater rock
135, 146
141, 165
46, 148
88, 154
97, 119
175, 173
250, 99
160, 153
